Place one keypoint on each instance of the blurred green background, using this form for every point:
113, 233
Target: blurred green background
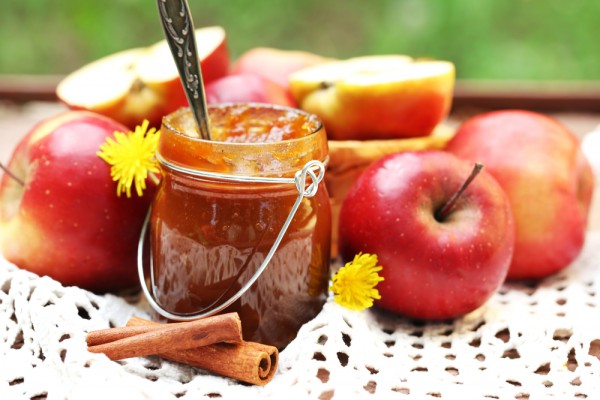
504, 39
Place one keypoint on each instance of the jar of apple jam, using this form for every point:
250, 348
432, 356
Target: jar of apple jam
220, 207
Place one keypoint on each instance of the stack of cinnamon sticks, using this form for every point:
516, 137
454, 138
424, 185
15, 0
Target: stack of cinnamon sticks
214, 344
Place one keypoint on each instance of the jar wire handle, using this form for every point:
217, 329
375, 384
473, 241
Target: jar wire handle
314, 169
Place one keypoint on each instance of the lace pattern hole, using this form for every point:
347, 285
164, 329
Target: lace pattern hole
323, 375
343, 358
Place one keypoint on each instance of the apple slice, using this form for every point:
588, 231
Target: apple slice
311, 79
376, 97
141, 83
104, 86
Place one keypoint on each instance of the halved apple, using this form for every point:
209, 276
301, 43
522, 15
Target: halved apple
141, 83
376, 97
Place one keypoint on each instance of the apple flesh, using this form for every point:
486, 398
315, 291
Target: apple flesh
540, 165
434, 267
67, 221
247, 88
376, 97
275, 64
141, 83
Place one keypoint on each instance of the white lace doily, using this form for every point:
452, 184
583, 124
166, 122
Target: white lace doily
527, 342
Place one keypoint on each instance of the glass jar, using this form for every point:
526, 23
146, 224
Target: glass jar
211, 230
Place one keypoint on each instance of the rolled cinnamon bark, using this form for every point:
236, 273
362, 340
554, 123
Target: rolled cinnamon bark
170, 337
103, 336
249, 362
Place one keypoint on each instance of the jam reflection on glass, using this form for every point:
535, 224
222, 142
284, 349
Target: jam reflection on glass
209, 236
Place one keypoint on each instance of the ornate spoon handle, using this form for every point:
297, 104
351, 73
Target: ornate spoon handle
179, 30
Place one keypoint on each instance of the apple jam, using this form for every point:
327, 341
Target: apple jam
209, 235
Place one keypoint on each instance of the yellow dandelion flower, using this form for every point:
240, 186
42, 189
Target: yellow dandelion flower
131, 157
354, 284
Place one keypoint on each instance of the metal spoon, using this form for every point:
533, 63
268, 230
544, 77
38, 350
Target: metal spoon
179, 30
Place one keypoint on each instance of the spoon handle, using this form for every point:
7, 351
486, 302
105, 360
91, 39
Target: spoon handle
179, 31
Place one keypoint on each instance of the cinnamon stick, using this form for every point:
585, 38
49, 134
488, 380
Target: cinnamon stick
249, 362
104, 336
120, 343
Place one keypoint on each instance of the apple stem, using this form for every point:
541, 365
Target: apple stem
441, 214
10, 174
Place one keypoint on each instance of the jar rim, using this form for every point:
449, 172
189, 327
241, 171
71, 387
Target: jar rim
167, 122
265, 158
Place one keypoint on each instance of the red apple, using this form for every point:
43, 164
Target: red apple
142, 83
540, 165
247, 88
436, 264
275, 64
65, 219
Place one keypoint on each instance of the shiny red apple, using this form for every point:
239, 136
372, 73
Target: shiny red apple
549, 182
62, 217
441, 258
